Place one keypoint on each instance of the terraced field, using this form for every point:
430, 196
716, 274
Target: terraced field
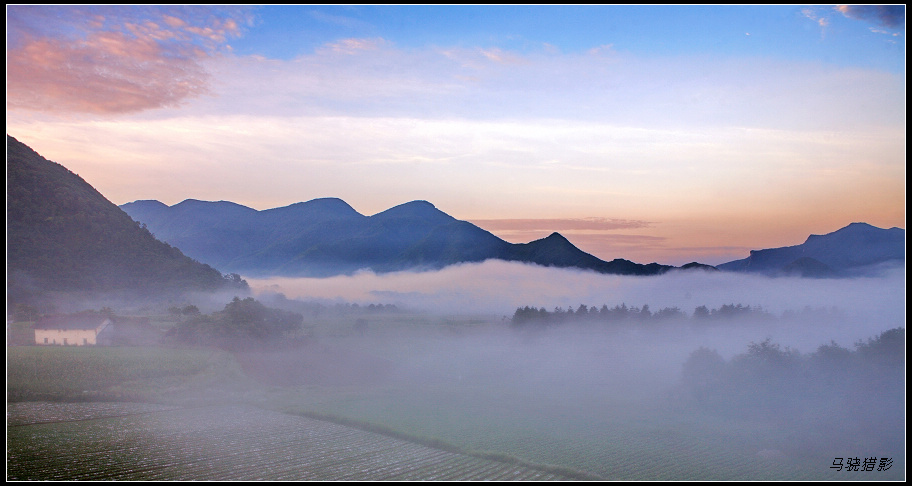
115, 441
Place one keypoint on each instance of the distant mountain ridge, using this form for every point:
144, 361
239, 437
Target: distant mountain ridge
64, 236
326, 236
848, 251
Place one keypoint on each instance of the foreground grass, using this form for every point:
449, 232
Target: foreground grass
128, 373
440, 444
21, 333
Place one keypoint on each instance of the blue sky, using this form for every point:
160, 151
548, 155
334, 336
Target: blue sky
652, 133
784, 32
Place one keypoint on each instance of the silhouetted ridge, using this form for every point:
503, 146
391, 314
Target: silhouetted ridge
316, 210
555, 250
699, 266
63, 235
326, 237
417, 212
850, 250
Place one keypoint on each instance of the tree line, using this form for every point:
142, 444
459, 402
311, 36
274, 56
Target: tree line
532, 316
864, 385
242, 324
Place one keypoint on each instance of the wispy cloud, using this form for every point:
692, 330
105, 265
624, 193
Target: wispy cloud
340, 20
108, 61
501, 56
560, 224
373, 77
814, 16
354, 46
108, 72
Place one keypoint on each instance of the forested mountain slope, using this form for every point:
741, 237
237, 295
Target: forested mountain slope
63, 235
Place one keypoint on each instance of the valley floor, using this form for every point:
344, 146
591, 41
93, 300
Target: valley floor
124, 441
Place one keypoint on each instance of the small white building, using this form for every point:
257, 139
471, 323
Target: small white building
74, 330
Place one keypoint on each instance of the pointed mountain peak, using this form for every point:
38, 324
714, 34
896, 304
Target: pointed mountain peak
414, 209
555, 243
554, 239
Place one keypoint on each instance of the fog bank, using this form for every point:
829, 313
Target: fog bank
498, 287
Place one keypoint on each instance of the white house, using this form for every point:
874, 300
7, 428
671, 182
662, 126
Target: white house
74, 330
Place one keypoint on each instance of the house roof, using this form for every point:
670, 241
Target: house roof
70, 322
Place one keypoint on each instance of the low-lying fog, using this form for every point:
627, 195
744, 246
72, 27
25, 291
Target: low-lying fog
613, 399
867, 305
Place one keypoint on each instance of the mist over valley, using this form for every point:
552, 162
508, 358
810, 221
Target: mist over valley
456, 243
413, 326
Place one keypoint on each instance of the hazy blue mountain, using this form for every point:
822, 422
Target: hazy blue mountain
809, 267
848, 251
327, 237
557, 251
699, 266
64, 236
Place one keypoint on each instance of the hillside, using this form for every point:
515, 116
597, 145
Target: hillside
64, 236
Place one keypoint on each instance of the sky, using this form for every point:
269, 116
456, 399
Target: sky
665, 134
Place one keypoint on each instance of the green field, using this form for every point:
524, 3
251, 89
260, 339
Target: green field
128, 441
95, 373
585, 408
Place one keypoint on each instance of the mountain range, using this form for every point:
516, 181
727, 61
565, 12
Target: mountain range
849, 251
64, 236
326, 236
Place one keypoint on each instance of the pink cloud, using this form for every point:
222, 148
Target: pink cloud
564, 224
127, 61
107, 73
173, 21
353, 46
500, 56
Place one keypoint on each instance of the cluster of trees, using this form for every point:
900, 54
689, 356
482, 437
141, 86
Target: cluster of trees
242, 324
187, 310
24, 312
317, 309
864, 384
525, 316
